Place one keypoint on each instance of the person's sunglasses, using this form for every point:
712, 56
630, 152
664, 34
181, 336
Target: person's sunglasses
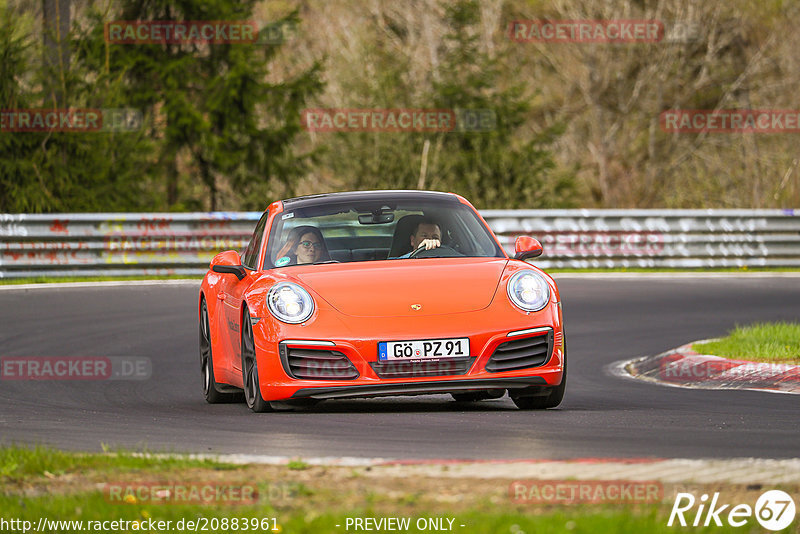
309, 244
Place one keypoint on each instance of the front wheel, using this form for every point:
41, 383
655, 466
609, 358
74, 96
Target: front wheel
252, 391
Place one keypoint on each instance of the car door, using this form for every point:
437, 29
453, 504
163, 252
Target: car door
233, 294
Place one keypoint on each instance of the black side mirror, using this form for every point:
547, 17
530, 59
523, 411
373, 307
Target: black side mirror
228, 262
238, 270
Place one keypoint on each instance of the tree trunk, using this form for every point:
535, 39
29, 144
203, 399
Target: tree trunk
55, 30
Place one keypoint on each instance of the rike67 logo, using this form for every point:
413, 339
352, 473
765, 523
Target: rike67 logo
774, 510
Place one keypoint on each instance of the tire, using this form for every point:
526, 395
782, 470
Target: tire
552, 399
252, 391
210, 391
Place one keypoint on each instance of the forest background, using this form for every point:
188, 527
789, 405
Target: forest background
576, 124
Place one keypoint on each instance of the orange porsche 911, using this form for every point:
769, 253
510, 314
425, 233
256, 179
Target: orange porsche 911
379, 293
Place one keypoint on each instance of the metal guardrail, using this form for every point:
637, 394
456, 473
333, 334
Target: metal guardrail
585, 239
114, 244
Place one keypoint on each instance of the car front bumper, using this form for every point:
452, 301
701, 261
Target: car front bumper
360, 348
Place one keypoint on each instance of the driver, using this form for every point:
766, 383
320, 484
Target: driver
427, 234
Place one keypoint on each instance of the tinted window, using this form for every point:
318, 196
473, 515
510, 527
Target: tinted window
250, 254
373, 230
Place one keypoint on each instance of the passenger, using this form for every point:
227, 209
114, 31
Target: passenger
304, 245
427, 234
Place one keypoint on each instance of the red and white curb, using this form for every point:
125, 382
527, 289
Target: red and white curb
684, 367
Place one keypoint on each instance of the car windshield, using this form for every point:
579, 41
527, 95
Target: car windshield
374, 230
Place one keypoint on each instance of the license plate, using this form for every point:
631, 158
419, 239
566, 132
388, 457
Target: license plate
423, 349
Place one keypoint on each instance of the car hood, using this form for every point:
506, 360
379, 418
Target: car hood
391, 288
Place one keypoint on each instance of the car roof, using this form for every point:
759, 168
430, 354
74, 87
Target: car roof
355, 196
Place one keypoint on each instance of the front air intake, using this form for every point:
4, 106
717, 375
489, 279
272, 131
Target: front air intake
316, 364
532, 351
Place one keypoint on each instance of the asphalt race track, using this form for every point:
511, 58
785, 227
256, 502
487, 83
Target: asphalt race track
607, 319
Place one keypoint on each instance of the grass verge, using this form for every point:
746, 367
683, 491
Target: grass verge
21, 464
761, 342
43, 484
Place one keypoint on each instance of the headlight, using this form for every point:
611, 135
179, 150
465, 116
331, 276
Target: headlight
529, 291
290, 303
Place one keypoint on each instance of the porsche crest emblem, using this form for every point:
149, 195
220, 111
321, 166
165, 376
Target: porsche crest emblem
416, 307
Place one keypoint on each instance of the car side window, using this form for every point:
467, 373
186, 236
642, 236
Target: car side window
250, 254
